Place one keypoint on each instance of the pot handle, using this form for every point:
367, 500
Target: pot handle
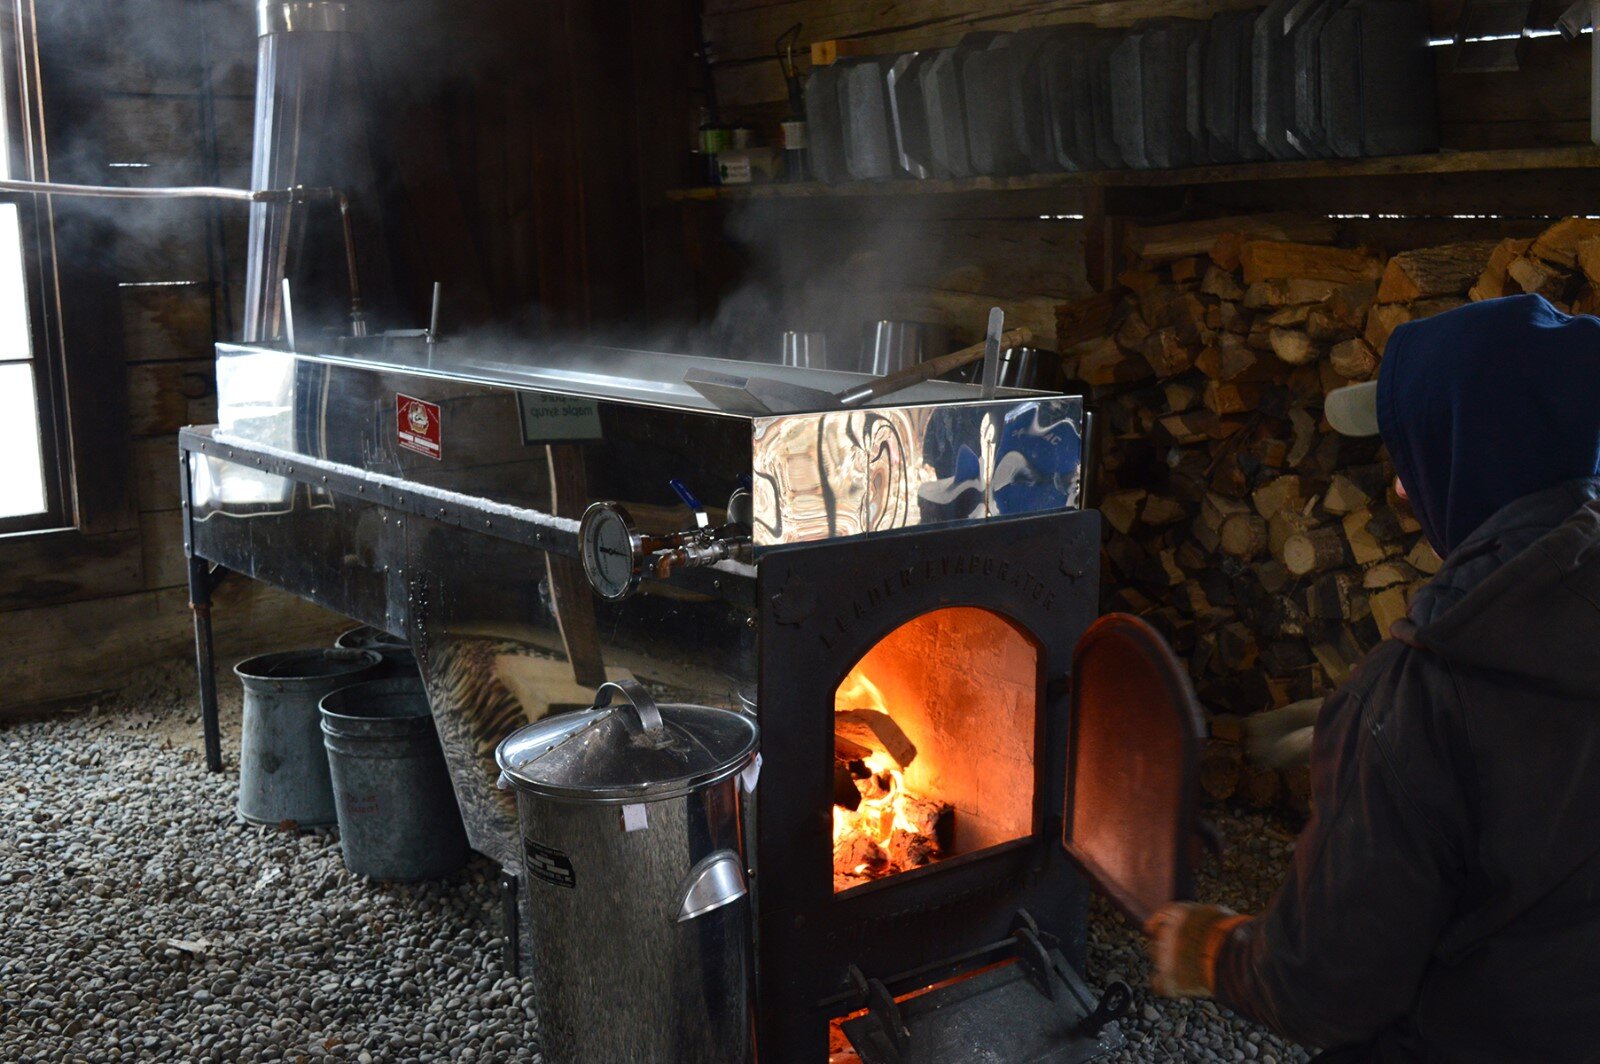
716, 880
644, 707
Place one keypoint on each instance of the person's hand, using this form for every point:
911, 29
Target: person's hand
1185, 939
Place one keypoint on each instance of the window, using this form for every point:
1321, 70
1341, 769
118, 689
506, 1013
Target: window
22, 474
31, 495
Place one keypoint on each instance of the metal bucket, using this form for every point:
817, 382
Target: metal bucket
283, 771
399, 661
398, 817
807, 350
890, 346
631, 851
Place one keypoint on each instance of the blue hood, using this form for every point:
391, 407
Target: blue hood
1487, 403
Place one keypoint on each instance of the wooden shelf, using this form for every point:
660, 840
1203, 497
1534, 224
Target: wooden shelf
1574, 157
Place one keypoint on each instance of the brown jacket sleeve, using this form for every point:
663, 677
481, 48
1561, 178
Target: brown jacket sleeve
1340, 954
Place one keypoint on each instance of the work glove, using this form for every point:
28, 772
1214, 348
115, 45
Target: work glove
1186, 939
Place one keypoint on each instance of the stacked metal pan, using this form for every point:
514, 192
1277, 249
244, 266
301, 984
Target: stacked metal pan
1297, 79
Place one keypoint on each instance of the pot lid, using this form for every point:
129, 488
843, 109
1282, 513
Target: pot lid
636, 751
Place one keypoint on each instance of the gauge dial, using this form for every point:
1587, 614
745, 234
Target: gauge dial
611, 550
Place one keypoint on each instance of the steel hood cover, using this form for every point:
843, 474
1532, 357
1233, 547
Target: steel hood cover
1132, 765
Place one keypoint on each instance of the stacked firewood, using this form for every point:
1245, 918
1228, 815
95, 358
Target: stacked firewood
1272, 552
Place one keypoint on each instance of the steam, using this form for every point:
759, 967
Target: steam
795, 274
791, 274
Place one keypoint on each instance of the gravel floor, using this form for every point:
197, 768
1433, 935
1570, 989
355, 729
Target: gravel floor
1256, 851
140, 920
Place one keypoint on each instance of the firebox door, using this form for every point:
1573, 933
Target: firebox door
1132, 764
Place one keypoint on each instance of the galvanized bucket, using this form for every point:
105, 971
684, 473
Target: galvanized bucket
398, 659
283, 771
397, 811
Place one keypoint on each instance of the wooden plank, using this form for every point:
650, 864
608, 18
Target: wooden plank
1021, 257
150, 129
161, 541
168, 240
165, 396
165, 321
57, 652
167, 130
1516, 160
1550, 90
164, 46
155, 473
68, 566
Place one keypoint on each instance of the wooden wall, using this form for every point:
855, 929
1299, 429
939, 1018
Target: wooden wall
158, 92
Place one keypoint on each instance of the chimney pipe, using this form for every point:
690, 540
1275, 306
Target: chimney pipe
304, 124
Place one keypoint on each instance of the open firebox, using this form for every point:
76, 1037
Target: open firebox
949, 745
953, 750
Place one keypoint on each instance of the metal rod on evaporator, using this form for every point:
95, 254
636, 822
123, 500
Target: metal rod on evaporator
358, 317
991, 352
51, 188
288, 315
433, 315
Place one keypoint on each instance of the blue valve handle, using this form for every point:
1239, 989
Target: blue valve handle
686, 495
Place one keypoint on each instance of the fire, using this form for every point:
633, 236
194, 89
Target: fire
891, 829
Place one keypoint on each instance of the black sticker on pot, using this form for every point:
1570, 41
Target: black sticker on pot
552, 866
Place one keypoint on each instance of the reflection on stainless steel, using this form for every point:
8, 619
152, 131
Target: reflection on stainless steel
890, 346
814, 476
845, 473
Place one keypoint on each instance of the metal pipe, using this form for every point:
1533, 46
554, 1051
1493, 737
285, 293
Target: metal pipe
52, 188
297, 194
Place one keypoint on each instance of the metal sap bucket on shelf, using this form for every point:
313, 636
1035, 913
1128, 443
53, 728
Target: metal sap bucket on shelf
890, 346
398, 817
629, 818
283, 770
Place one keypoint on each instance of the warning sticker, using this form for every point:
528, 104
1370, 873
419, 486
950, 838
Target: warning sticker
417, 426
552, 866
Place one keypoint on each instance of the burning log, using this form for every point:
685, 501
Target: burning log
846, 795
858, 854
874, 730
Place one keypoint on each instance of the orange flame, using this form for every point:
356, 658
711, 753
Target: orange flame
858, 692
884, 796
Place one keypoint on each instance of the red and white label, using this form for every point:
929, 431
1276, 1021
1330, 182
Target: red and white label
417, 426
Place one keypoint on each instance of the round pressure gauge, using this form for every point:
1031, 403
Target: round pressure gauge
611, 550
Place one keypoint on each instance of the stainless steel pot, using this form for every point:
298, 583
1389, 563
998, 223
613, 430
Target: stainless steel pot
629, 819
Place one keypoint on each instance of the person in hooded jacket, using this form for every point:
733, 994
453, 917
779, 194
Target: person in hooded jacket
1444, 902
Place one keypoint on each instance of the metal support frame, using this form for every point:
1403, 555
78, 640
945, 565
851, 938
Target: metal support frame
202, 581
510, 923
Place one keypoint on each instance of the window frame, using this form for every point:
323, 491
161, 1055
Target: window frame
23, 117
